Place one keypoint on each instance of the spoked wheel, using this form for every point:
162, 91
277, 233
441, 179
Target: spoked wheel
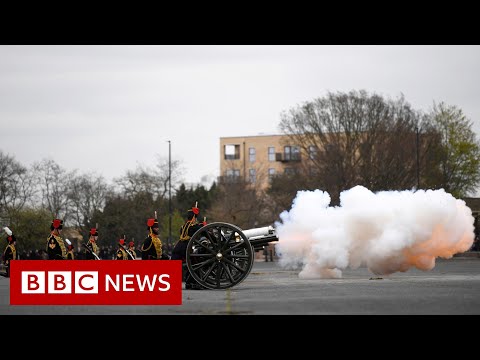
219, 256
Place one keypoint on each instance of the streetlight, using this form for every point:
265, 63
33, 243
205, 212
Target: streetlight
418, 157
169, 196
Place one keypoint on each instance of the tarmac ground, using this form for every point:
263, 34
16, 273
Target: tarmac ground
451, 287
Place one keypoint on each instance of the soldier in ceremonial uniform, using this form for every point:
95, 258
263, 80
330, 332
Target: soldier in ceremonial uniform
121, 252
152, 246
131, 250
10, 253
91, 246
179, 251
56, 249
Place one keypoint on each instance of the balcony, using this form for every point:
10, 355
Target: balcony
287, 157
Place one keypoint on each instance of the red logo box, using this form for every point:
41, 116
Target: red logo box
93, 282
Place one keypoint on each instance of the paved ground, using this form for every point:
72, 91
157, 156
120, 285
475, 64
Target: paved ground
452, 287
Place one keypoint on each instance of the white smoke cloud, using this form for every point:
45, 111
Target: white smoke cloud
388, 231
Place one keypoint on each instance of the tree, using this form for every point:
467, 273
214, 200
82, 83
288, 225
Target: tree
16, 185
241, 202
186, 198
164, 167
88, 194
54, 182
128, 216
454, 163
31, 227
358, 139
148, 180
177, 222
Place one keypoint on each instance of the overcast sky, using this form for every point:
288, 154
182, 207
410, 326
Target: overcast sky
105, 109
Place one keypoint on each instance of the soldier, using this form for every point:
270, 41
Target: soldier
131, 250
152, 246
56, 249
121, 252
70, 254
179, 251
91, 251
10, 252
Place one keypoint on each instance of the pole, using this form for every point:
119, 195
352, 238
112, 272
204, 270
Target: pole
169, 196
244, 164
418, 157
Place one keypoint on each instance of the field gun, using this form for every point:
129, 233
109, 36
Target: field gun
221, 255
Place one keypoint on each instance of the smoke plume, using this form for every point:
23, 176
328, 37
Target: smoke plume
388, 231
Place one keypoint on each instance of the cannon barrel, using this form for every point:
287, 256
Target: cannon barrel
259, 237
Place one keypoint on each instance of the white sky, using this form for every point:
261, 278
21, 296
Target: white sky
105, 109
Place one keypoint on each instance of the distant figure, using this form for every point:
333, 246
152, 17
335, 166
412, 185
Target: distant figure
56, 249
131, 251
10, 252
92, 251
121, 252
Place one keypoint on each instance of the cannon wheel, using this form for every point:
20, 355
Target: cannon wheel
219, 256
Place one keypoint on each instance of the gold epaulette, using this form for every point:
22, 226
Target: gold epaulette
158, 246
124, 254
149, 246
12, 248
184, 234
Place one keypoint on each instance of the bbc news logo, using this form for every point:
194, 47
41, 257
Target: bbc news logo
59, 282
89, 282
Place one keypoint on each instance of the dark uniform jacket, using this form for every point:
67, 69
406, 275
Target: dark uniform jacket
121, 253
56, 248
132, 252
190, 227
10, 253
93, 247
152, 248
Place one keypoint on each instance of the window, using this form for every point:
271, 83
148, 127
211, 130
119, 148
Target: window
295, 153
291, 153
271, 153
232, 152
271, 173
251, 153
253, 176
233, 173
312, 152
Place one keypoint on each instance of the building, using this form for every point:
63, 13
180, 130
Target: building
257, 159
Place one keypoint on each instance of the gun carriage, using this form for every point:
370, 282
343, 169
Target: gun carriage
221, 255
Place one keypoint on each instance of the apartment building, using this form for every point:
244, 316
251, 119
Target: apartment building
257, 159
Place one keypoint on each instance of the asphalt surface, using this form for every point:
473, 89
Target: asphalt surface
452, 287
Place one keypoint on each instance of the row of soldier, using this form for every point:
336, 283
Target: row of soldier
58, 248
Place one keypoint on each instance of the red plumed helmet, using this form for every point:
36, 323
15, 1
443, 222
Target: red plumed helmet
152, 222
93, 232
121, 241
131, 243
57, 223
